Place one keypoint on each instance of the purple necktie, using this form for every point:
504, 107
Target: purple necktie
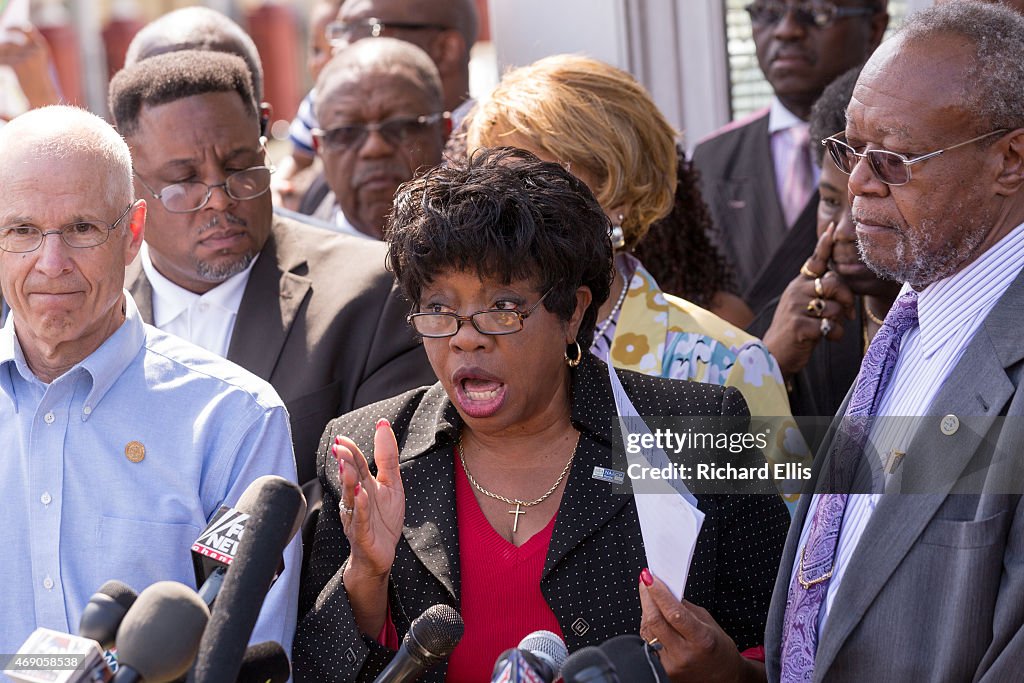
817, 559
799, 181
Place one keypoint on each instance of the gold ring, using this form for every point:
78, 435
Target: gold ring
344, 509
653, 642
807, 272
826, 327
816, 307
818, 289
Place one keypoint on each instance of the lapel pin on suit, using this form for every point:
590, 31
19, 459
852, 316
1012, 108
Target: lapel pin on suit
949, 425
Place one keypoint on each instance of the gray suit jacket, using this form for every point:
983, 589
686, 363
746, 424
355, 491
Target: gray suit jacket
738, 183
935, 589
322, 321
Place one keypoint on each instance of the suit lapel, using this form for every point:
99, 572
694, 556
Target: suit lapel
272, 298
138, 286
786, 258
428, 476
977, 391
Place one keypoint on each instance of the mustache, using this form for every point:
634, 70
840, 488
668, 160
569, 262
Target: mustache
376, 171
228, 217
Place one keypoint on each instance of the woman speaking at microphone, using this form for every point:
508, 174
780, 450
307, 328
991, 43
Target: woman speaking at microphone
480, 491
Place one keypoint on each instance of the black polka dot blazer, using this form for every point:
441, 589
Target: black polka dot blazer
593, 564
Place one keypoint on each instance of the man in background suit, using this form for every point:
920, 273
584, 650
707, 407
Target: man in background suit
930, 586
757, 176
314, 313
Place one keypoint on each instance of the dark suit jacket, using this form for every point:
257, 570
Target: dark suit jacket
738, 184
596, 553
934, 591
321, 320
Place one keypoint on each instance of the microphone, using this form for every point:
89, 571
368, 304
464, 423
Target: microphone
275, 515
538, 658
159, 636
265, 662
215, 549
74, 659
104, 612
589, 665
431, 638
630, 656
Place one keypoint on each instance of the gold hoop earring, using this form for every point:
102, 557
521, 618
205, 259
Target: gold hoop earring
577, 357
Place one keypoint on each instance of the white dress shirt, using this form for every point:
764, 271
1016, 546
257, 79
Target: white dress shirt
950, 311
206, 320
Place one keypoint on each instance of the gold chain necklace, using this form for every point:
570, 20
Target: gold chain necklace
510, 501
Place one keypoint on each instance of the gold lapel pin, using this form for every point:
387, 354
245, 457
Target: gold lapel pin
135, 451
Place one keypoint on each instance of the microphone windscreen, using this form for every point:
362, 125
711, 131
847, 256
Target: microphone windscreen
265, 662
631, 659
547, 646
159, 636
268, 530
589, 665
104, 612
434, 634
247, 501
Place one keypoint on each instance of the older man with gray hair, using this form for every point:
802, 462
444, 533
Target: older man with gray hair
119, 442
382, 119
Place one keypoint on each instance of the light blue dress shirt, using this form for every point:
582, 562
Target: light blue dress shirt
75, 511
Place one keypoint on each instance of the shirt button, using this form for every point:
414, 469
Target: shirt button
48, 583
49, 418
45, 498
87, 410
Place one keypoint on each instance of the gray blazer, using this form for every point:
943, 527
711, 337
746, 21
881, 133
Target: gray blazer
935, 589
322, 321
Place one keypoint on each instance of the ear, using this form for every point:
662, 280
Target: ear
448, 51
136, 231
583, 299
1011, 174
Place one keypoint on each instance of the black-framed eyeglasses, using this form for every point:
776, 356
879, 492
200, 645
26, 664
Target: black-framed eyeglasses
395, 131
189, 196
348, 31
892, 168
816, 14
20, 239
493, 321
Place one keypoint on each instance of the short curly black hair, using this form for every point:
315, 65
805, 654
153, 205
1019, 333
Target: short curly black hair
828, 115
503, 214
174, 76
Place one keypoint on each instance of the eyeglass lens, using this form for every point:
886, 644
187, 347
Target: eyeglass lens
485, 322
240, 186
887, 166
395, 131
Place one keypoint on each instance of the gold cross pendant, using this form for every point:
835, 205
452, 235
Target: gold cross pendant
516, 512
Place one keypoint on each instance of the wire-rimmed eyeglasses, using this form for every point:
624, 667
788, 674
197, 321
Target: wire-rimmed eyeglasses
186, 197
816, 14
892, 168
345, 31
494, 321
395, 131
20, 239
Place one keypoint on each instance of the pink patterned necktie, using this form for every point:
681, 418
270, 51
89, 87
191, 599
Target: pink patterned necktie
817, 559
799, 182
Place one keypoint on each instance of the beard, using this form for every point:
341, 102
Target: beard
929, 255
219, 272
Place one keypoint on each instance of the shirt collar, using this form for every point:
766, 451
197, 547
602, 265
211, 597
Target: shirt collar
104, 365
171, 301
947, 306
343, 225
780, 118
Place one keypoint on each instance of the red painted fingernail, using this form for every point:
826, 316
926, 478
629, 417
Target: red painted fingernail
337, 440
383, 423
646, 578
358, 487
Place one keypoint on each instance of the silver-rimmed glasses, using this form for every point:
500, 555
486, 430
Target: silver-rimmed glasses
395, 131
192, 195
20, 239
816, 14
493, 321
892, 168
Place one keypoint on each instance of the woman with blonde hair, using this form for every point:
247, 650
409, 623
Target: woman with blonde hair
603, 126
